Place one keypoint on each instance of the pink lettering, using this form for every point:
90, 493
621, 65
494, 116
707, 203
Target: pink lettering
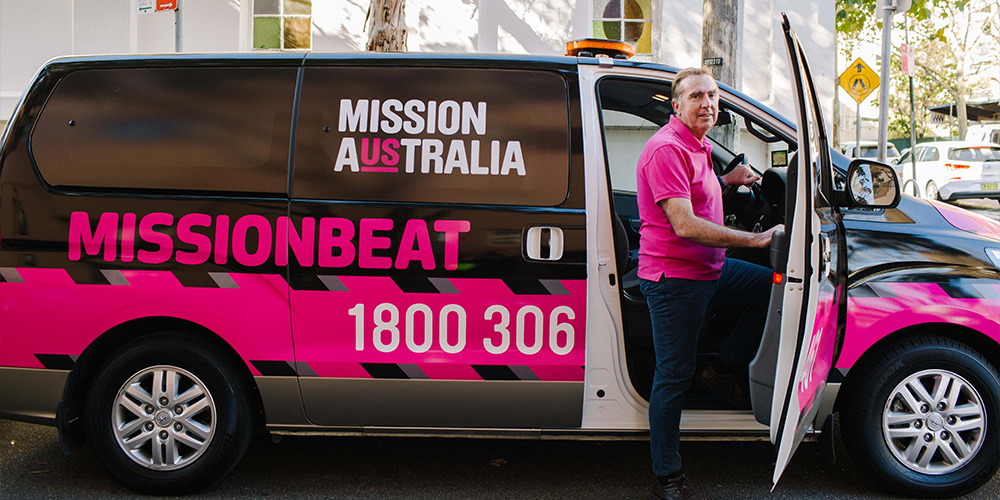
369, 156
104, 235
369, 242
301, 245
391, 157
128, 237
201, 242
150, 235
415, 245
327, 242
451, 230
241, 252
222, 239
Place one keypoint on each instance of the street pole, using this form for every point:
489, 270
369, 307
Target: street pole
857, 133
888, 8
178, 45
913, 133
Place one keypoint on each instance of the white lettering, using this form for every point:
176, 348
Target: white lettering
513, 160
449, 119
348, 155
456, 157
412, 110
431, 152
392, 122
353, 120
474, 118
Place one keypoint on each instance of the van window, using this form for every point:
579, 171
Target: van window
201, 129
434, 135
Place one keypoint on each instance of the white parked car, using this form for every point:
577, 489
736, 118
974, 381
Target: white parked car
869, 149
952, 170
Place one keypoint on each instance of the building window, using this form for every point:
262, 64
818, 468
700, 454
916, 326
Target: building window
626, 20
282, 24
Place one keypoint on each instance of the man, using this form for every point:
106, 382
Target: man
684, 270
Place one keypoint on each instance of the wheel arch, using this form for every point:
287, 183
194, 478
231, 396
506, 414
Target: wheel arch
69, 415
975, 339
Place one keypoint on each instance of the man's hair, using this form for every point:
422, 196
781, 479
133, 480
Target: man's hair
675, 90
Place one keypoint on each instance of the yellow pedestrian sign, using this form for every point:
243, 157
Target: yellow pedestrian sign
859, 80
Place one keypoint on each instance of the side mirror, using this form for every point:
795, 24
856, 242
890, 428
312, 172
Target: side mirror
871, 184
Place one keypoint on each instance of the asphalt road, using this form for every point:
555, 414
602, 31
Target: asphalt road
984, 206
31, 466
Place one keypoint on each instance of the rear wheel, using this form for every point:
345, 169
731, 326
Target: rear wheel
169, 414
924, 421
931, 192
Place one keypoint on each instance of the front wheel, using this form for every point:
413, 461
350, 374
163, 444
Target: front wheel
168, 414
925, 421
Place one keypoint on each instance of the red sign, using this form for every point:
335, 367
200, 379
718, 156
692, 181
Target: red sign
906, 56
166, 5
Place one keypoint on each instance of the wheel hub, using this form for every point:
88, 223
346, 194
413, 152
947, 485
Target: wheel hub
163, 418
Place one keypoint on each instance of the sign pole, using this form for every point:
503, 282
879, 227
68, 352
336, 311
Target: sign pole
913, 132
883, 94
857, 133
178, 42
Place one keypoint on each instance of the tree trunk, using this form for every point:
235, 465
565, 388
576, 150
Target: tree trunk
386, 26
720, 38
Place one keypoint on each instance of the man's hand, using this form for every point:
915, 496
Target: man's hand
689, 226
764, 239
742, 175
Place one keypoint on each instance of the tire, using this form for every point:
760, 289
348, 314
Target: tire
931, 192
899, 435
176, 440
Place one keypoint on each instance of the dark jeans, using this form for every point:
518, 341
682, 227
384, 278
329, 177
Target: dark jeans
677, 308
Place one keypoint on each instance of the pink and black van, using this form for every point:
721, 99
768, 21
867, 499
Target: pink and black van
195, 248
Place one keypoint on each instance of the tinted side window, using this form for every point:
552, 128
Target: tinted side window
458, 135
204, 129
931, 154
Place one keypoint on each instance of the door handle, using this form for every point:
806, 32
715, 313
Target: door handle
544, 243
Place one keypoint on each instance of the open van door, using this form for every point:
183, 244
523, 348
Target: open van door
813, 277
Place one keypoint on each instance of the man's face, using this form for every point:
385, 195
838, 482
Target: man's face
698, 104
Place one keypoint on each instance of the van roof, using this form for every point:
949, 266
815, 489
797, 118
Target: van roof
415, 59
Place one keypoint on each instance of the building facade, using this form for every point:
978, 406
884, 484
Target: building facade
667, 31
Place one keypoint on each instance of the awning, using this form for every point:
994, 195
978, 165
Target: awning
978, 111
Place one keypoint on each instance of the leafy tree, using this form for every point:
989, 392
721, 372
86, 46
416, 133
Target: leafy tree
943, 33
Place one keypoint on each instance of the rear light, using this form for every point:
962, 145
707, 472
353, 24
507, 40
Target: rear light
778, 278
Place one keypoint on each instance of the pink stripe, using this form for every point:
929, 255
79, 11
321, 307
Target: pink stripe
968, 221
444, 371
380, 169
339, 370
54, 315
561, 373
871, 319
326, 326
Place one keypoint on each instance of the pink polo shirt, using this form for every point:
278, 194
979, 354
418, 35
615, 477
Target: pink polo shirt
675, 164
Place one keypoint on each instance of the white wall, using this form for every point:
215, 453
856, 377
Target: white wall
33, 32
30, 34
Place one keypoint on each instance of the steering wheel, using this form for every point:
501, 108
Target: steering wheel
729, 192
